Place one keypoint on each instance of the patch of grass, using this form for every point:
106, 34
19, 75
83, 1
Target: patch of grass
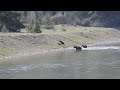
25, 30
4, 51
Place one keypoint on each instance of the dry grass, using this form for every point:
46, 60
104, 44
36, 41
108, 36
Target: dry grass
4, 51
69, 34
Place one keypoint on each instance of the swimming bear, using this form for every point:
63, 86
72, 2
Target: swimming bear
84, 46
78, 48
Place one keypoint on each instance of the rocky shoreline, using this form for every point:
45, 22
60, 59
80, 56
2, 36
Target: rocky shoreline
33, 52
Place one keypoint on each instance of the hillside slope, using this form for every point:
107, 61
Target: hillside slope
11, 43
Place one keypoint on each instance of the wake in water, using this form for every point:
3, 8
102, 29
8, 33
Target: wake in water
102, 48
97, 48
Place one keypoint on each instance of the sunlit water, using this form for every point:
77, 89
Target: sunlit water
93, 62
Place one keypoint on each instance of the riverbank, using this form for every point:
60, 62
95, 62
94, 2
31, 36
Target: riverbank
20, 44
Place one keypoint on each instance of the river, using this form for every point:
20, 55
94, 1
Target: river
100, 62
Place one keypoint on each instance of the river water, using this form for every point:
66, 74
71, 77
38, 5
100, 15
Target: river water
100, 62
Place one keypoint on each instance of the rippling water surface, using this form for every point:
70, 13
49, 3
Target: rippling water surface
93, 62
